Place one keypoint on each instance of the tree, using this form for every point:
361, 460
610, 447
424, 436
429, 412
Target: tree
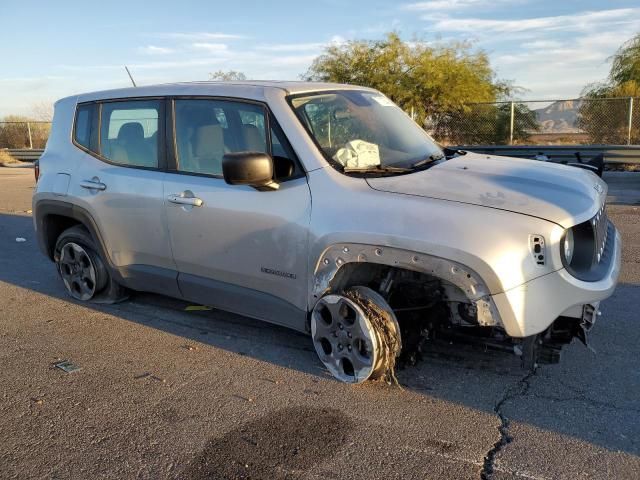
14, 132
434, 82
604, 114
227, 76
625, 65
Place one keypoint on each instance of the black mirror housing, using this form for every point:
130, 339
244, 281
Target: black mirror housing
249, 168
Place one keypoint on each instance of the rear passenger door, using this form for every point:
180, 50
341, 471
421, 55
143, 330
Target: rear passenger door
119, 181
236, 248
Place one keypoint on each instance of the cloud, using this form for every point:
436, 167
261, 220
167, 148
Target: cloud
541, 44
210, 47
201, 36
291, 47
302, 47
577, 22
562, 68
154, 50
192, 62
434, 5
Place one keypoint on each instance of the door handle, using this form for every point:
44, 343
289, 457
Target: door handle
192, 201
93, 185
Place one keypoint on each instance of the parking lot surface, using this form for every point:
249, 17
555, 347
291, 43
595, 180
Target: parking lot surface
168, 393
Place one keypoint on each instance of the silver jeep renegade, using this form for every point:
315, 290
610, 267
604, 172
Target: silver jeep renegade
326, 209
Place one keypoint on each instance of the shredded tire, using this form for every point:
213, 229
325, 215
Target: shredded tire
387, 332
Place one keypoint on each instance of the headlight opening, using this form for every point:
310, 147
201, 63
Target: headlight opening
583, 246
568, 246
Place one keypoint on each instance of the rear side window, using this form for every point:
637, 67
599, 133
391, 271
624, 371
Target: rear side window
84, 125
129, 132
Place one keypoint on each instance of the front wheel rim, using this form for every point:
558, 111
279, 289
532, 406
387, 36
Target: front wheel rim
345, 339
77, 271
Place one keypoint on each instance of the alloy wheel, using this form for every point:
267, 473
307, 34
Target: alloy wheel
77, 271
345, 339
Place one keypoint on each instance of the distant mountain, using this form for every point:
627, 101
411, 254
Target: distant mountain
559, 117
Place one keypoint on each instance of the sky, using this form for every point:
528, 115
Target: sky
51, 49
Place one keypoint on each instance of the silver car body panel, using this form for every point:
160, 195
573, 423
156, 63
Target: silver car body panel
241, 236
264, 252
558, 193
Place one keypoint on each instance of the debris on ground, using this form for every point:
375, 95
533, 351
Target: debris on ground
270, 380
191, 348
20, 239
151, 376
197, 308
246, 399
66, 366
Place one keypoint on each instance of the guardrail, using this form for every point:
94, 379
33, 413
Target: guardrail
559, 153
25, 154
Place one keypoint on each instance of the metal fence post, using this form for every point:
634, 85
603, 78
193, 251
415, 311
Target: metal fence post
511, 124
30, 139
630, 120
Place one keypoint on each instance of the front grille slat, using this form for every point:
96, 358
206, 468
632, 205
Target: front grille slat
600, 224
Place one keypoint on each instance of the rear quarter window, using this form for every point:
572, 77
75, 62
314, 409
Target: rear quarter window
84, 125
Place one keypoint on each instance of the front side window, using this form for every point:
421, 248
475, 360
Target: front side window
205, 130
129, 132
364, 131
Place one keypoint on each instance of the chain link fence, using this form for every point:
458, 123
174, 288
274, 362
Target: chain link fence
31, 134
581, 121
613, 121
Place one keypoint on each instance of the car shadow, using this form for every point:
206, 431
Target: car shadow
471, 376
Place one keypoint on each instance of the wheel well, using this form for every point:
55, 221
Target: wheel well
408, 291
53, 225
384, 279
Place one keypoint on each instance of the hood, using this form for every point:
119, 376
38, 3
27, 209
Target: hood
558, 193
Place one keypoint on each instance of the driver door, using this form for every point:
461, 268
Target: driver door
236, 248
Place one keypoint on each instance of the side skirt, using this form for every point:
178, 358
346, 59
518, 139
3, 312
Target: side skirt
243, 301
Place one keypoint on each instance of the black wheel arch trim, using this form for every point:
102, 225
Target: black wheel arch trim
44, 208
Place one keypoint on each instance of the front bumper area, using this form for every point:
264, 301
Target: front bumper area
533, 306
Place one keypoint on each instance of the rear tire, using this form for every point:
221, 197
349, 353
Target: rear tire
82, 269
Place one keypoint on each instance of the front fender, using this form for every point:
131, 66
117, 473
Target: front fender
337, 256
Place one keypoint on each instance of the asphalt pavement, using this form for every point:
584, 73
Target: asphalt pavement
166, 393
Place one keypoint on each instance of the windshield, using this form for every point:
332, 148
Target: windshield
365, 131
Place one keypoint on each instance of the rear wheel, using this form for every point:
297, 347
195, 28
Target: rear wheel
82, 270
356, 335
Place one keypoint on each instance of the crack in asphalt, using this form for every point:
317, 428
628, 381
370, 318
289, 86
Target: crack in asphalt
518, 390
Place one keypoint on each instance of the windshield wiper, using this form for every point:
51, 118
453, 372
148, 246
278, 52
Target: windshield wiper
377, 169
426, 161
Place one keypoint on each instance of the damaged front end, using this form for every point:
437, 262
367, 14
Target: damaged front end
436, 299
546, 347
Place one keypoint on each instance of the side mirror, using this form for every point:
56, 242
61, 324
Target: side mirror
249, 168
